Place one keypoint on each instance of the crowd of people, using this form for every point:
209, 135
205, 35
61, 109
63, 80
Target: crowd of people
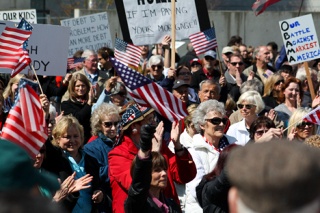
244, 135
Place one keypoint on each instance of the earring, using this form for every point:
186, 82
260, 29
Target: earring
134, 131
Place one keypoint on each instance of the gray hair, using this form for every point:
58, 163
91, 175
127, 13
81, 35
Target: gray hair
256, 51
87, 53
301, 73
211, 82
102, 110
252, 97
203, 109
155, 59
250, 85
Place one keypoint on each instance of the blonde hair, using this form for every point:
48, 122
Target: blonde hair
270, 82
297, 116
8, 91
62, 127
72, 84
313, 140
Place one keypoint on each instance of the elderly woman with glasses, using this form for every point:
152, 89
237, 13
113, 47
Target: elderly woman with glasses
250, 105
181, 168
209, 120
298, 128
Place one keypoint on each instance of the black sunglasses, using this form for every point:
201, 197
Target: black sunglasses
261, 132
247, 106
209, 58
110, 124
303, 124
184, 73
158, 66
235, 63
195, 65
279, 82
217, 121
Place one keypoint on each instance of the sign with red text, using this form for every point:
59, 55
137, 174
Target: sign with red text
16, 15
88, 32
300, 39
47, 47
146, 22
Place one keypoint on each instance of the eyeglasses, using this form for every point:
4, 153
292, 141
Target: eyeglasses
110, 124
261, 132
185, 73
158, 66
217, 121
247, 106
121, 93
235, 63
279, 82
303, 124
195, 65
209, 58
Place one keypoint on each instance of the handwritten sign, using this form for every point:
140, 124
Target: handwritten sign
88, 32
148, 21
300, 39
17, 15
47, 47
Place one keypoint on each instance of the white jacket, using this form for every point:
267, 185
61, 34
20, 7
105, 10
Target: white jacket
205, 158
239, 131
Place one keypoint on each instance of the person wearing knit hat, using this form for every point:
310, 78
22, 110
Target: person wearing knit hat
277, 176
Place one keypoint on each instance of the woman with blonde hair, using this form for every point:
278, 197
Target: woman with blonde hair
300, 130
272, 89
11, 91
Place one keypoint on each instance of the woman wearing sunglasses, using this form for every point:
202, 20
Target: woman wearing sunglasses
250, 104
263, 130
209, 120
301, 130
272, 89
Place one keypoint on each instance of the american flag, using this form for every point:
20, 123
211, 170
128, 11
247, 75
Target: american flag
313, 116
24, 60
74, 62
204, 41
265, 3
11, 41
25, 124
149, 94
127, 54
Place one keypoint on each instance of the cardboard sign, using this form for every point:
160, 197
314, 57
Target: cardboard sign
88, 32
48, 49
300, 39
17, 15
148, 21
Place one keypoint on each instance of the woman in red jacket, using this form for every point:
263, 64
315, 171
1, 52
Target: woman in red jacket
181, 166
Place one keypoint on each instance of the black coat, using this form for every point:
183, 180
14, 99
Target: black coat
80, 111
138, 200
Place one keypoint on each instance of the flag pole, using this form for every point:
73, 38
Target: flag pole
292, 125
37, 79
300, 7
173, 33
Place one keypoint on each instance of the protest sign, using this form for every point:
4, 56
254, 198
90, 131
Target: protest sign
17, 15
88, 32
300, 39
148, 21
47, 47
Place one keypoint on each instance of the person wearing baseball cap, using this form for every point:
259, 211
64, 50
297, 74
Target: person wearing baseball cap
195, 65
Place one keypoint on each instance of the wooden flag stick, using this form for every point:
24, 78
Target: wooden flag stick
306, 67
37, 79
173, 33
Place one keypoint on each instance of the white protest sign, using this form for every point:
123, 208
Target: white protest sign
300, 39
149, 21
88, 32
48, 49
17, 15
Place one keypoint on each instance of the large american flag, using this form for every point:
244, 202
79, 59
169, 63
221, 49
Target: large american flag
25, 124
149, 94
204, 41
313, 116
25, 59
265, 3
126, 53
11, 41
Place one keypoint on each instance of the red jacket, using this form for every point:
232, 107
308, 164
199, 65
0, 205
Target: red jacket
181, 170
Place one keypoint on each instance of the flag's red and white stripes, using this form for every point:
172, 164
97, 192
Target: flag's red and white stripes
11, 41
203, 41
126, 53
265, 3
24, 61
313, 116
25, 124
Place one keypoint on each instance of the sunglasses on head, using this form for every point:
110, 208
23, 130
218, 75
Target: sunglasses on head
247, 106
303, 124
158, 66
279, 82
217, 121
235, 63
110, 124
